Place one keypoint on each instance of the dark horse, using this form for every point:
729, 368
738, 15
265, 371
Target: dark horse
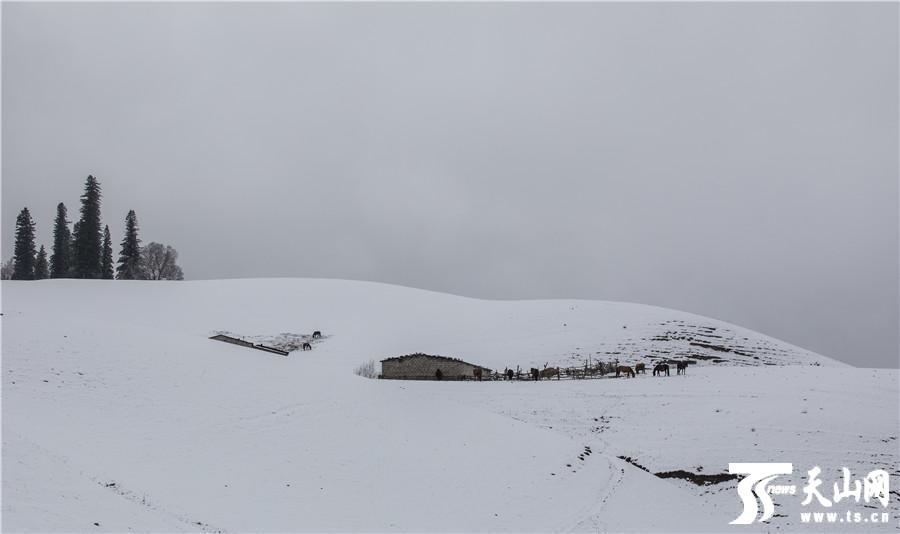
640, 368
306, 346
661, 368
535, 374
550, 372
317, 334
477, 373
681, 368
629, 372
509, 374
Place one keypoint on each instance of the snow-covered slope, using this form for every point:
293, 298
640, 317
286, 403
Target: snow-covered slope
370, 320
117, 410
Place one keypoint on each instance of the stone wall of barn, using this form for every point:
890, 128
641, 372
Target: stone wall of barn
424, 368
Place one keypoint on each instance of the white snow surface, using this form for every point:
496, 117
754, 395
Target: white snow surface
119, 414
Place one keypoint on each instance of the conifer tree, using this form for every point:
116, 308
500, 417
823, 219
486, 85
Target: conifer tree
41, 266
88, 248
61, 257
23, 257
73, 248
130, 256
107, 263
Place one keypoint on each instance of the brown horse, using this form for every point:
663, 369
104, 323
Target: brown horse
477, 373
640, 368
535, 374
317, 334
306, 346
629, 372
550, 372
661, 368
681, 368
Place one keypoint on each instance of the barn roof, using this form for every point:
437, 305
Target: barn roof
423, 355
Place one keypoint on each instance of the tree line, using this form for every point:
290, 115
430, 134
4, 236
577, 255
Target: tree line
85, 250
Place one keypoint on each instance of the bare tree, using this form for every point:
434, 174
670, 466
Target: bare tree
6, 271
366, 370
160, 262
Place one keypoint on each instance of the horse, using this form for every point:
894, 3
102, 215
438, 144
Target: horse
550, 372
661, 368
509, 374
629, 372
640, 368
535, 374
681, 368
477, 373
317, 334
306, 346
438, 375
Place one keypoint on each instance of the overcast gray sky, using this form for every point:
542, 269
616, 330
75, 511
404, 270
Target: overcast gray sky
734, 160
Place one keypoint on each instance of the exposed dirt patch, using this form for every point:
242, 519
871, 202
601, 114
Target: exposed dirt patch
696, 478
700, 480
633, 462
710, 346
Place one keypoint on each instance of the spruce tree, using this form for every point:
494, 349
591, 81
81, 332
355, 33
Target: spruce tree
73, 248
88, 249
61, 258
41, 266
130, 257
24, 250
107, 263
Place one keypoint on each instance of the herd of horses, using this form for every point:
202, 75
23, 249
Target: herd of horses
536, 374
659, 369
315, 335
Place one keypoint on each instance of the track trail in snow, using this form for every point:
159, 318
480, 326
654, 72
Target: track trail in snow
221, 437
112, 486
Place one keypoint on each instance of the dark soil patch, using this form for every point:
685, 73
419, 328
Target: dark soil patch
633, 462
700, 480
710, 346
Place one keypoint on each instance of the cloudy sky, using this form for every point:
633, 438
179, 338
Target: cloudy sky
729, 159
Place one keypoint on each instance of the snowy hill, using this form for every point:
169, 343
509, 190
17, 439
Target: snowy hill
369, 320
120, 414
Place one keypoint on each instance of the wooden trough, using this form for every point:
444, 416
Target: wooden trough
248, 344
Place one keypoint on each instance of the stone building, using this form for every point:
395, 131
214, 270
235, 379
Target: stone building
420, 366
